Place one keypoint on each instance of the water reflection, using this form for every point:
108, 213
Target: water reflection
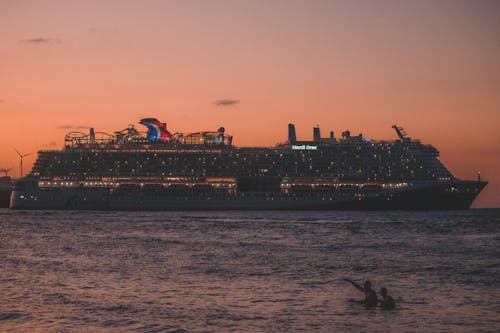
247, 271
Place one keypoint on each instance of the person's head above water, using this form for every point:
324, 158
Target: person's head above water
383, 291
367, 285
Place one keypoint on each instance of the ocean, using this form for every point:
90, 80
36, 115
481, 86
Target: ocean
265, 271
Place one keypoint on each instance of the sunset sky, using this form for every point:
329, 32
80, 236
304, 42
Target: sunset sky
432, 67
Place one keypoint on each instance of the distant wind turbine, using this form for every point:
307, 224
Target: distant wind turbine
21, 156
6, 171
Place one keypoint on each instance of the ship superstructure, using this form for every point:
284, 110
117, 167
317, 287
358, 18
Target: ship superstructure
203, 170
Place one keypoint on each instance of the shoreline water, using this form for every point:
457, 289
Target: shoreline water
247, 271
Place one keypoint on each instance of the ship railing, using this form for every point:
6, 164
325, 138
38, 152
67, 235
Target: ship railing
146, 147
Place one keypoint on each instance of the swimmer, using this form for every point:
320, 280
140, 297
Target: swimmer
387, 303
370, 300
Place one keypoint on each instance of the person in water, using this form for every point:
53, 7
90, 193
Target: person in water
370, 300
387, 302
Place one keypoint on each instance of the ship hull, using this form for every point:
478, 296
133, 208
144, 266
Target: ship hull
448, 195
4, 198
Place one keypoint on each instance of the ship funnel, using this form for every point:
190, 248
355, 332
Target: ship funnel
316, 134
332, 136
220, 135
157, 131
92, 136
346, 134
292, 137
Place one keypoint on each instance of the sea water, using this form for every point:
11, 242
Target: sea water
90, 271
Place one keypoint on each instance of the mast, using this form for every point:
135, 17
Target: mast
399, 131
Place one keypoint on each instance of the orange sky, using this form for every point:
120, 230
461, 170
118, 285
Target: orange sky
431, 66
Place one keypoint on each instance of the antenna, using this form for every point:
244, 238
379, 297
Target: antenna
21, 156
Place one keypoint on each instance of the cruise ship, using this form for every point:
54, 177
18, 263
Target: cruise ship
161, 170
5, 191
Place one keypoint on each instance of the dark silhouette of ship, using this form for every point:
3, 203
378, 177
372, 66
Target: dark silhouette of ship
5, 191
5, 188
159, 170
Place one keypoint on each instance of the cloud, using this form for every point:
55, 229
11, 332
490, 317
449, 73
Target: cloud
226, 102
72, 127
101, 30
2, 100
94, 30
41, 40
51, 144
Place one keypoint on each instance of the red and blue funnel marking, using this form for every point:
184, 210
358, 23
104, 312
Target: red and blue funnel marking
157, 131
